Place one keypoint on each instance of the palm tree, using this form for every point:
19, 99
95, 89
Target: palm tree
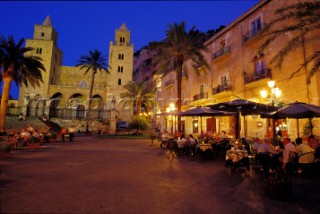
138, 95
178, 47
17, 67
93, 62
301, 20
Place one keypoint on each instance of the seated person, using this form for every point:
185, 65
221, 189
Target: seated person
312, 142
191, 140
263, 155
265, 147
181, 141
165, 136
288, 152
305, 152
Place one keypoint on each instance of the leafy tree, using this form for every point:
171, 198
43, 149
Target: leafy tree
138, 95
17, 67
301, 20
178, 47
93, 62
139, 123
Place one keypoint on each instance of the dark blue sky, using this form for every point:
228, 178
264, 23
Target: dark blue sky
88, 25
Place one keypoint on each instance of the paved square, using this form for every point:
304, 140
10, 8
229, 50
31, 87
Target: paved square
129, 176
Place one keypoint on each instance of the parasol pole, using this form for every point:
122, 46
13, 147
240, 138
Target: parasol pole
201, 125
297, 127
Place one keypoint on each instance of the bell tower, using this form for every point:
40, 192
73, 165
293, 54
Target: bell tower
121, 64
44, 44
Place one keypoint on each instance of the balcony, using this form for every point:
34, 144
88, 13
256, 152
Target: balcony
222, 52
250, 35
200, 96
265, 73
169, 83
221, 88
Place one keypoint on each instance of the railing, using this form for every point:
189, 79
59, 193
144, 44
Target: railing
80, 114
265, 73
221, 52
221, 88
168, 83
200, 96
250, 34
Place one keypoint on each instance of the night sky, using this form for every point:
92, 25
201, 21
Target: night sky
87, 25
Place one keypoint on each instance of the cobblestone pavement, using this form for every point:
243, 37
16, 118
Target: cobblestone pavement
129, 176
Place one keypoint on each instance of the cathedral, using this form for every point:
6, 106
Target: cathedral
64, 92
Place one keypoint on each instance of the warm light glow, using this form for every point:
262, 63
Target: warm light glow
277, 92
172, 107
264, 93
168, 109
196, 125
271, 83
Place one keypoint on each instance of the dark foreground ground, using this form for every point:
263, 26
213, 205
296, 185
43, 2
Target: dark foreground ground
129, 176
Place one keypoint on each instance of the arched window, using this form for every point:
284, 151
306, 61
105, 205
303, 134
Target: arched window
121, 56
83, 84
122, 39
119, 81
120, 69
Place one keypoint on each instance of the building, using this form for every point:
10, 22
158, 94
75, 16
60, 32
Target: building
237, 71
65, 89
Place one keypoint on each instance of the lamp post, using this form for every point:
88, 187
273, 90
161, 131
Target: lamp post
275, 92
171, 108
272, 96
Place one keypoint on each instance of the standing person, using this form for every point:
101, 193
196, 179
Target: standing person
63, 132
71, 131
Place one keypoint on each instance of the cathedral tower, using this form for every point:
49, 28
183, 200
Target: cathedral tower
44, 44
121, 64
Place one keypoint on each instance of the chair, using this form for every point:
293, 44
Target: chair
292, 164
308, 160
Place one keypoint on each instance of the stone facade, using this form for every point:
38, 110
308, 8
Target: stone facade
66, 87
238, 72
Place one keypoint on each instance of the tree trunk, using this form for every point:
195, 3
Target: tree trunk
179, 85
90, 100
7, 79
138, 105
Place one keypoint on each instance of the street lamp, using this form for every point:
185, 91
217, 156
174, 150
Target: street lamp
171, 108
273, 96
275, 92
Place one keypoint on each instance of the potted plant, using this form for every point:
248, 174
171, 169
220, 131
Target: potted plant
34, 142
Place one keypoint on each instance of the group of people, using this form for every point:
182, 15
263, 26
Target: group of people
67, 133
286, 153
25, 135
182, 142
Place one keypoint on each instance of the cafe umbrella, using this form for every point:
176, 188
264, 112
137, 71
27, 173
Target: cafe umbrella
297, 110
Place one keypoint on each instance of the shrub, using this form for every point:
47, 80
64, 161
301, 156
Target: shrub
139, 123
